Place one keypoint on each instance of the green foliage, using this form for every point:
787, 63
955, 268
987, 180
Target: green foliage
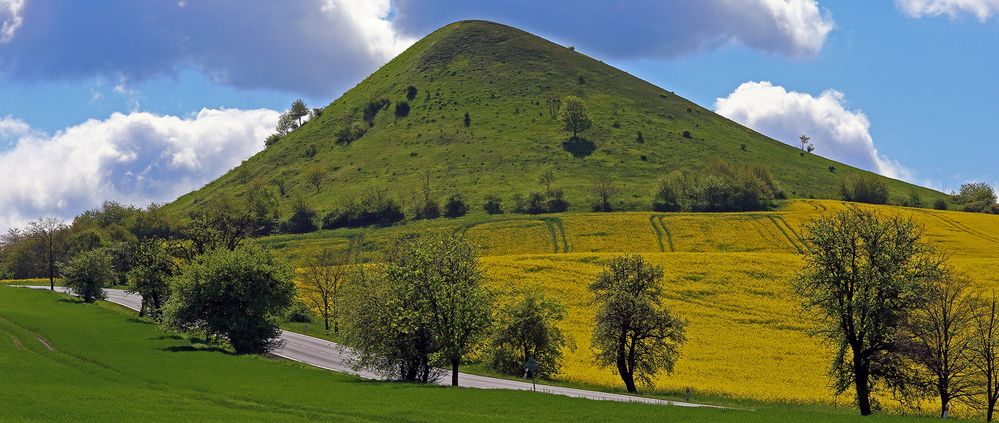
298, 110
864, 188
401, 109
455, 206
298, 312
411, 92
977, 197
467, 120
728, 188
940, 204
371, 110
376, 207
88, 273
302, 219
315, 175
574, 116
237, 295
493, 204
633, 329
150, 277
864, 275
528, 329
220, 223
262, 205
350, 132
272, 139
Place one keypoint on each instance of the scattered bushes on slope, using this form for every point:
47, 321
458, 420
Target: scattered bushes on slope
376, 207
727, 188
864, 188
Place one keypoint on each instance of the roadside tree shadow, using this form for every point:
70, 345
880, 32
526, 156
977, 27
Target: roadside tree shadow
579, 147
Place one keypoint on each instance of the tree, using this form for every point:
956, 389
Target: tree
864, 276
455, 206
218, 224
528, 329
977, 197
634, 330
286, 123
864, 188
237, 295
315, 175
298, 110
547, 178
150, 277
323, 277
941, 334
272, 139
88, 273
51, 235
279, 183
444, 271
574, 116
603, 190
302, 219
984, 352
805, 145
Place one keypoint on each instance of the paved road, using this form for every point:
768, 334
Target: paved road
330, 356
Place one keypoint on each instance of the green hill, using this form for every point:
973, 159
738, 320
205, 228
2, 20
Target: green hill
504, 79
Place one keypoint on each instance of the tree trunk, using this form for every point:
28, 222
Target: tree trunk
990, 409
454, 371
944, 406
861, 379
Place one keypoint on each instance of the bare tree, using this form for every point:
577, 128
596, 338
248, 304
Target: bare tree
52, 234
315, 175
941, 330
323, 279
603, 190
546, 178
984, 352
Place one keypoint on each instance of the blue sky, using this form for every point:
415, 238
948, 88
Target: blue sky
143, 101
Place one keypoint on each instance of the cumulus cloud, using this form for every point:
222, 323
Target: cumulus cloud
643, 28
133, 158
10, 18
837, 132
320, 47
981, 9
313, 47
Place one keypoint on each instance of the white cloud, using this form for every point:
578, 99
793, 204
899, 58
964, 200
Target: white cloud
837, 132
981, 9
133, 158
10, 18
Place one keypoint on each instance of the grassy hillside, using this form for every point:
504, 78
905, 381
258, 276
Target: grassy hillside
63, 360
729, 274
503, 78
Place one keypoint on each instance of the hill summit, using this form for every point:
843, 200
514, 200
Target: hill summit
472, 109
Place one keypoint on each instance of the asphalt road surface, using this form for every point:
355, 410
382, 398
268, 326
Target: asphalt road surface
330, 356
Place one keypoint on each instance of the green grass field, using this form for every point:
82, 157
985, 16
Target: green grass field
63, 360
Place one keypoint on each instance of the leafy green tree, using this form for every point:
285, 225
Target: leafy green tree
529, 329
150, 277
272, 139
315, 175
574, 116
493, 204
864, 188
302, 219
634, 330
238, 295
263, 205
298, 110
51, 236
286, 123
88, 273
220, 223
864, 276
977, 197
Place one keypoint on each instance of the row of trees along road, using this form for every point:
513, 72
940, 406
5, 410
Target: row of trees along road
903, 322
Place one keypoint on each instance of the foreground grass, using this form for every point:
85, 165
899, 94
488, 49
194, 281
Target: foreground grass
64, 360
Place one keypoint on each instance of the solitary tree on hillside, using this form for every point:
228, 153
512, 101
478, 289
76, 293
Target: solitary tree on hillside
941, 330
634, 330
298, 110
574, 116
985, 352
865, 276
804, 142
315, 175
52, 235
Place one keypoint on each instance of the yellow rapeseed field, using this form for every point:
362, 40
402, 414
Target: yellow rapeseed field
728, 274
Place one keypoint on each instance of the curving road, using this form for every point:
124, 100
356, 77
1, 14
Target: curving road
331, 356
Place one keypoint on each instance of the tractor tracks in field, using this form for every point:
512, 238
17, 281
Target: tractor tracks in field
658, 222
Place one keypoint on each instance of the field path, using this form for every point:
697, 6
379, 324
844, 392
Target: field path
330, 356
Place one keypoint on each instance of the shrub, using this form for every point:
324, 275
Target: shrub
411, 93
864, 188
371, 110
468, 120
375, 208
977, 197
528, 329
832, 169
455, 206
401, 109
309, 152
299, 312
302, 219
427, 210
535, 203
640, 138
350, 133
668, 194
557, 202
493, 205
686, 134
728, 188
519, 203
940, 204
272, 139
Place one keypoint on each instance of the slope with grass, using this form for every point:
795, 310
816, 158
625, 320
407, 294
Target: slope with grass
504, 78
67, 361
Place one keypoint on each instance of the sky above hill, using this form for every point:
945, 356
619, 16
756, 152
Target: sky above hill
142, 101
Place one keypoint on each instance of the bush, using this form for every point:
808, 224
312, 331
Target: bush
640, 138
299, 312
557, 202
535, 203
272, 139
728, 188
427, 210
526, 330
455, 206
375, 208
864, 188
310, 152
350, 133
519, 203
493, 205
940, 204
239, 295
401, 109
371, 110
668, 194
88, 273
302, 219
411, 93
977, 197
686, 134
468, 120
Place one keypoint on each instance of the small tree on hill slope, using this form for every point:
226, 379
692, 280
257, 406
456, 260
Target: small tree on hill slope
574, 116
